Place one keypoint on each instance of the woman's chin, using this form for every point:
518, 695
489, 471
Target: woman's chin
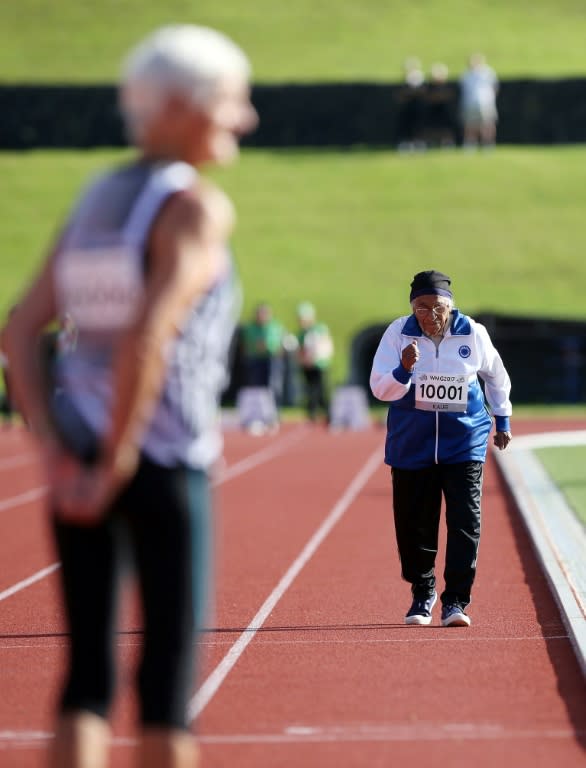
224, 151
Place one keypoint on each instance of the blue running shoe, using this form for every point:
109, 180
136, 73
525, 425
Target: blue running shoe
453, 615
420, 611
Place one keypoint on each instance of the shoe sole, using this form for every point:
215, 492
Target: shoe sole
457, 620
421, 620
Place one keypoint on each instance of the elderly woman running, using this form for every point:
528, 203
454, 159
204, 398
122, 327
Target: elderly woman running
427, 366
142, 267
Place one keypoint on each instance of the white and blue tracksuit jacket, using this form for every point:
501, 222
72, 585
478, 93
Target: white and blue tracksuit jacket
418, 438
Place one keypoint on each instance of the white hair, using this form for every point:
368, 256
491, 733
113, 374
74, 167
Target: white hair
447, 300
184, 59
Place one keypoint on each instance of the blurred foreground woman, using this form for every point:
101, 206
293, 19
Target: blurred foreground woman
129, 430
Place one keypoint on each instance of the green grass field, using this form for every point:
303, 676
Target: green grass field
345, 230
348, 230
82, 41
566, 468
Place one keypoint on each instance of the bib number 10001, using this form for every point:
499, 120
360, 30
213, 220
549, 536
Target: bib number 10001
441, 392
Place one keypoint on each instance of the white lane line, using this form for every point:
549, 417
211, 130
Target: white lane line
211, 685
459, 640
259, 457
354, 732
15, 501
23, 498
19, 586
239, 468
391, 732
24, 739
18, 461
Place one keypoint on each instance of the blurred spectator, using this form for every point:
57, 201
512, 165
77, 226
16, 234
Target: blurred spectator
411, 105
572, 367
315, 353
55, 342
440, 99
262, 341
291, 388
478, 111
7, 409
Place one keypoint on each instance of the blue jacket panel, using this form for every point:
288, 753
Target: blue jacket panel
418, 438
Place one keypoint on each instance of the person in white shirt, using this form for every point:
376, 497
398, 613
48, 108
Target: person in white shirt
478, 108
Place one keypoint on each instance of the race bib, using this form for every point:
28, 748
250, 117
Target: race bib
100, 288
441, 391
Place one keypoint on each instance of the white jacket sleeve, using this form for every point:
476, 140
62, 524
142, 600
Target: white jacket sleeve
497, 384
388, 379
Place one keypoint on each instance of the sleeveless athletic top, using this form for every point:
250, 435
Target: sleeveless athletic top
99, 274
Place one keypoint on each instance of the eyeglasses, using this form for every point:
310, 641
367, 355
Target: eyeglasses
436, 310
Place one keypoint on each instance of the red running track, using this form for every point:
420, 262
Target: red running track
308, 662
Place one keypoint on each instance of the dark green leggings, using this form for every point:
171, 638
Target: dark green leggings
161, 524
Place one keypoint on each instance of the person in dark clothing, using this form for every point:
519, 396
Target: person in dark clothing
440, 116
315, 352
6, 406
410, 100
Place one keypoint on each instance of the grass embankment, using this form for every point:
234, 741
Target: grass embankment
566, 467
348, 230
333, 40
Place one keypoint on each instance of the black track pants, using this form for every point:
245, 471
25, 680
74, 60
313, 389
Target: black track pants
417, 498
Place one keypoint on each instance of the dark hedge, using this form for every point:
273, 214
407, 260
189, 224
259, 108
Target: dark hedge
317, 115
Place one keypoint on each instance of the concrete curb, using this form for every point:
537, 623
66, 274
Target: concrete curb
558, 537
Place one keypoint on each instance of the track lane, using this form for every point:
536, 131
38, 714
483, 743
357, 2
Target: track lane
336, 679
282, 704
27, 636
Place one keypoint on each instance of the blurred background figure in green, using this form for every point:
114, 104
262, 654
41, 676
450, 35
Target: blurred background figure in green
262, 344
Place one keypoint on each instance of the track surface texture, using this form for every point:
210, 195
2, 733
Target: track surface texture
306, 661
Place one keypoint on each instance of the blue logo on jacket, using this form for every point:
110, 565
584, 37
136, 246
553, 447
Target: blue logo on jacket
464, 351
